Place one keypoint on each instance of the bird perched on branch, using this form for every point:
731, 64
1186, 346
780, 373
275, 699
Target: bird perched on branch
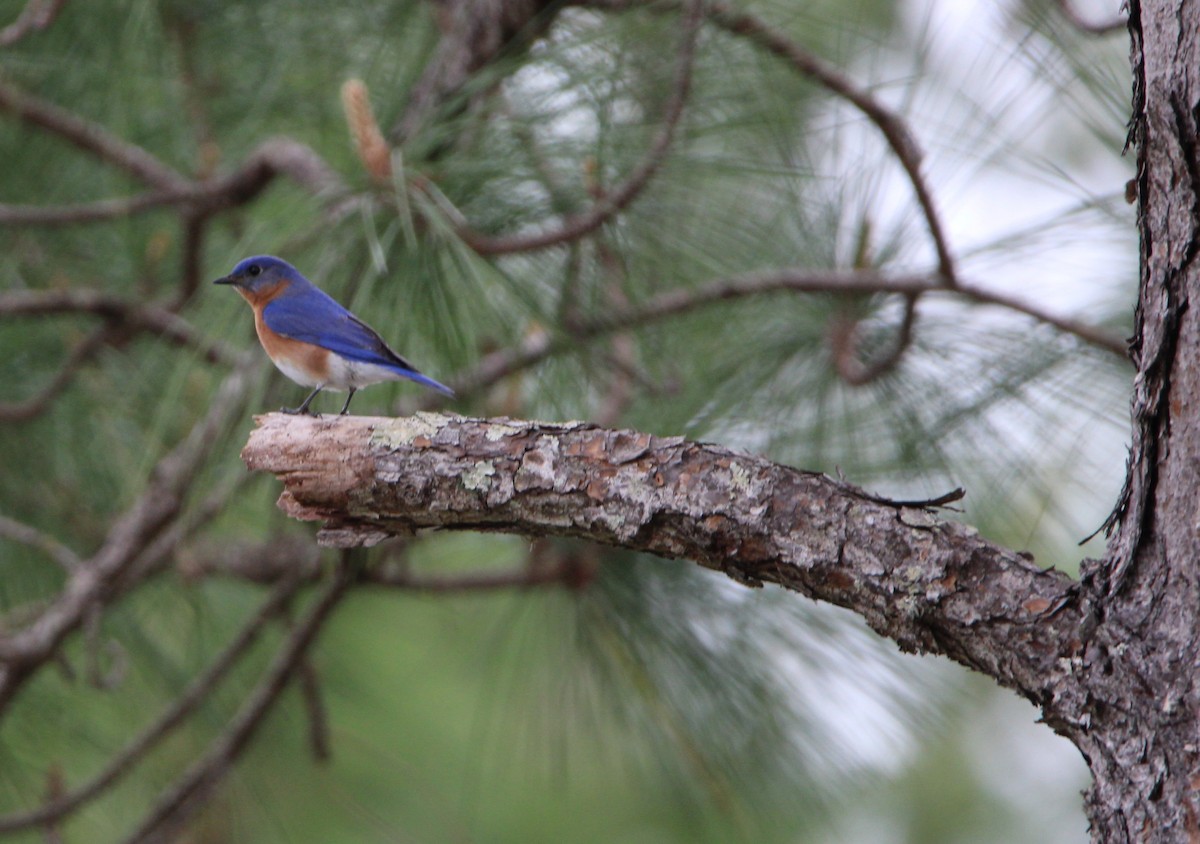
311, 338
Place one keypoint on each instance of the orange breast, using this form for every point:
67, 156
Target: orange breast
303, 362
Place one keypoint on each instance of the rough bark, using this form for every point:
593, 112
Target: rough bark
1137, 717
931, 585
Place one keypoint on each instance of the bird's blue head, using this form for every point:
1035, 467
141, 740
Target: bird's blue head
260, 274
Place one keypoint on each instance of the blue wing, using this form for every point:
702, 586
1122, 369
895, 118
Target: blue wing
314, 317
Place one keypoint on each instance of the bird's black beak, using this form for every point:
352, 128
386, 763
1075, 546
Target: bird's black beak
227, 280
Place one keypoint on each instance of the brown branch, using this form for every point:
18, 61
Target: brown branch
118, 312
929, 585
127, 758
67, 559
190, 263
893, 128
1090, 334
615, 201
80, 353
314, 708
538, 347
473, 35
36, 16
279, 156
263, 563
274, 157
845, 346
91, 137
23, 652
97, 211
186, 794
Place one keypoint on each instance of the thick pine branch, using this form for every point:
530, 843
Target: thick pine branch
931, 585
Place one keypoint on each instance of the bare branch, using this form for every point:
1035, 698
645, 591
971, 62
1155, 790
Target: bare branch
314, 707
264, 563
890, 124
185, 795
131, 533
25, 534
845, 347
80, 353
36, 16
473, 34
90, 212
538, 347
1097, 337
91, 137
201, 687
929, 585
279, 156
617, 200
118, 312
274, 157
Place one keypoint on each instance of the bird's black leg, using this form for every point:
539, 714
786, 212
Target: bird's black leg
346, 406
303, 408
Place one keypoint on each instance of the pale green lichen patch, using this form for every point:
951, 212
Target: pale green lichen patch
404, 430
497, 431
739, 478
477, 478
614, 523
914, 517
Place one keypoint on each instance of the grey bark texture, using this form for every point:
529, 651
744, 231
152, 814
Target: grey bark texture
931, 585
1112, 659
1134, 710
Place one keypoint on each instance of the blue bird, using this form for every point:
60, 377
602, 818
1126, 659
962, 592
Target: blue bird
311, 338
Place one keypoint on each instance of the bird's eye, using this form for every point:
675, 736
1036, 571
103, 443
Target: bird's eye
253, 269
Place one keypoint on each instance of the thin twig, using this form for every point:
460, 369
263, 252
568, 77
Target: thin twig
618, 391
80, 353
536, 348
154, 511
67, 559
314, 707
845, 359
36, 16
201, 687
118, 312
616, 200
1090, 334
165, 547
187, 794
97, 211
194, 227
893, 128
274, 157
91, 137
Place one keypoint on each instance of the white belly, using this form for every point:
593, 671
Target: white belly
298, 374
344, 374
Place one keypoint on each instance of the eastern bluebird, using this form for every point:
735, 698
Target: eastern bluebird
311, 338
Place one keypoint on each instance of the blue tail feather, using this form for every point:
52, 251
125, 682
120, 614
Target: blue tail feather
413, 375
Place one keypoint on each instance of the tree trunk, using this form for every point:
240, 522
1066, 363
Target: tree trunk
1136, 719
